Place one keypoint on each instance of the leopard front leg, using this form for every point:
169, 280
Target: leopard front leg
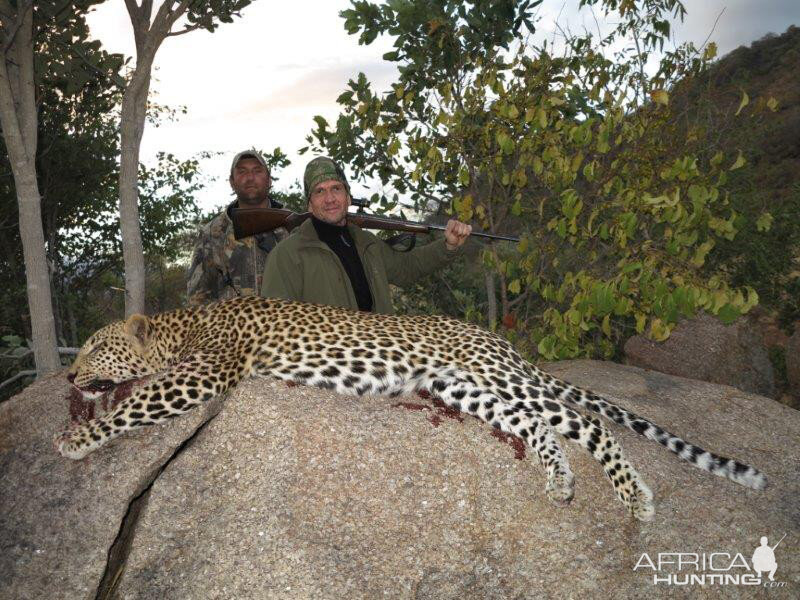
465, 394
162, 397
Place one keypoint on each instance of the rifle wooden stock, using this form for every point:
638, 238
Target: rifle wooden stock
252, 221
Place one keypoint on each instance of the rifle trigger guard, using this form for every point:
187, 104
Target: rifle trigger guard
401, 238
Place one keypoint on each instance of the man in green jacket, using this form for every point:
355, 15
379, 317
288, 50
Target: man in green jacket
328, 261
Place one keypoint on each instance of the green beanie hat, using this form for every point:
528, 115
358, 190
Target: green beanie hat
322, 169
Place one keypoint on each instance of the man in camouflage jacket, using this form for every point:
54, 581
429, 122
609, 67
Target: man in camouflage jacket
223, 267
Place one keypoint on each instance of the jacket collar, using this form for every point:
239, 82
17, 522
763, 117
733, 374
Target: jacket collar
309, 235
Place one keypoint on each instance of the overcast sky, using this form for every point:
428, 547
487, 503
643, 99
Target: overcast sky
260, 80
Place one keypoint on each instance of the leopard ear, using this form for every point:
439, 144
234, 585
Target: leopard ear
139, 327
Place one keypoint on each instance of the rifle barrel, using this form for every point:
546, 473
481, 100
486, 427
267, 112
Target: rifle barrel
480, 234
252, 221
397, 222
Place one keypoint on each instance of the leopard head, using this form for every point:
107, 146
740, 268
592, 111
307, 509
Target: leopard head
116, 353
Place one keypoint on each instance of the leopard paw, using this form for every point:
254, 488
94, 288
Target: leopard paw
641, 502
72, 443
560, 488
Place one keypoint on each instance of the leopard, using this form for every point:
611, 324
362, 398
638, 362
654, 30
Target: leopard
186, 357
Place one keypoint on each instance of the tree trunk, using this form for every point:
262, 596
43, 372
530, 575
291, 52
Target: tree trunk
71, 321
134, 109
148, 37
19, 123
491, 298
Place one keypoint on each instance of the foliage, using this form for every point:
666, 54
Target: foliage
77, 170
768, 125
167, 209
574, 148
75, 144
456, 290
290, 197
208, 15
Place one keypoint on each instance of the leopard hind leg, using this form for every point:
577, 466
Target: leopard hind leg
463, 392
527, 391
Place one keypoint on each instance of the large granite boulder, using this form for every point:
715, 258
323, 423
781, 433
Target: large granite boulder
300, 493
704, 348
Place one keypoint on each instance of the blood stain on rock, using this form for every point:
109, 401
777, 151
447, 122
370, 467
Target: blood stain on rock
80, 410
411, 406
442, 410
516, 443
446, 411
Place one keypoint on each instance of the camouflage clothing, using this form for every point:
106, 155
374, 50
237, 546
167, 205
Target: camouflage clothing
223, 267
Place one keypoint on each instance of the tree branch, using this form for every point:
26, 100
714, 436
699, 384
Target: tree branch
186, 30
166, 16
518, 299
20, 18
140, 19
20, 375
27, 110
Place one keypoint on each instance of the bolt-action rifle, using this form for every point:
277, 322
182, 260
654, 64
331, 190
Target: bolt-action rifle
252, 221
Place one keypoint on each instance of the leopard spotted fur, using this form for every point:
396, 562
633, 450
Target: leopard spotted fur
190, 356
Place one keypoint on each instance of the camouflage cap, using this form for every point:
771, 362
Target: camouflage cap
322, 169
252, 153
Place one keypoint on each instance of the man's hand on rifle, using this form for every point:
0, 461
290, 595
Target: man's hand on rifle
456, 233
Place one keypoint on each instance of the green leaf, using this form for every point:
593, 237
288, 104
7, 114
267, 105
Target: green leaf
744, 102
321, 122
772, 104
764, 222
345, 97
602, 299
547, 345
606, 326
659, 331
700, 254
740, 162
660, 97
728, 314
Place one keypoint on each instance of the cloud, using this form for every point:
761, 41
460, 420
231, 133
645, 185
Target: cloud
738, 22
261, 79
319, 88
